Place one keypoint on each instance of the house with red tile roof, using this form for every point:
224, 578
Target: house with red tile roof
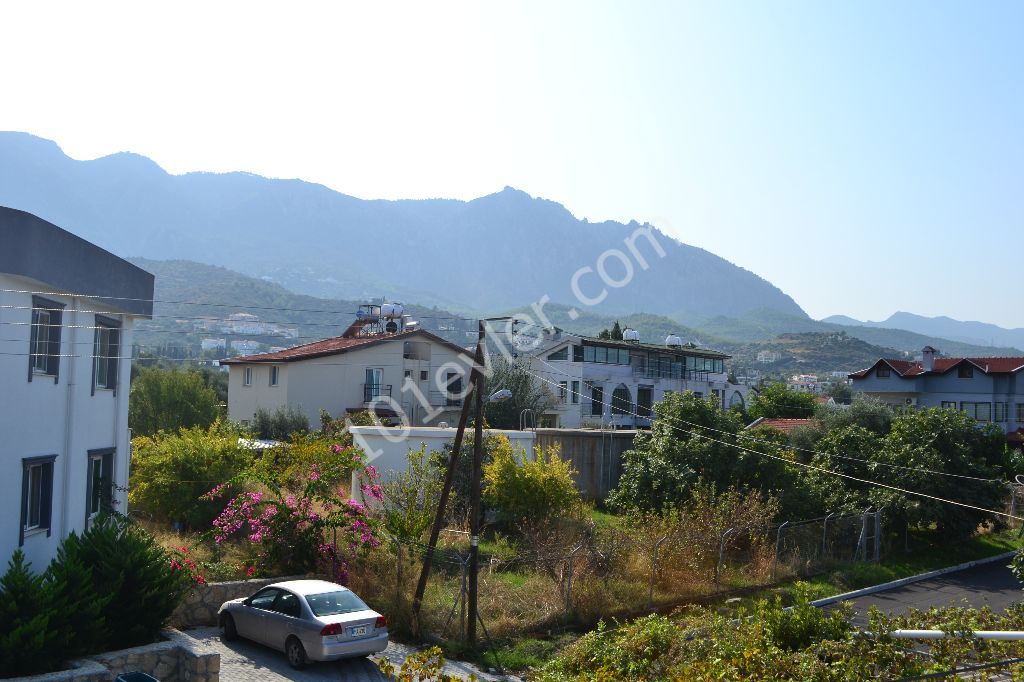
408, 372
989, 389
785, 425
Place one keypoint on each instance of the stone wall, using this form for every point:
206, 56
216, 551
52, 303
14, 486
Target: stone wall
175, 659
200, 606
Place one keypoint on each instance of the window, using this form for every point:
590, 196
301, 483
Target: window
999, 414
575, 395
408, 374
373, 387
577, 354
736, 400
563, 391
423, 375
453, 385
982, 412
883, 372
596, 401
644, 400
36, 495
949, 404
1020, 412
560, 354
247, 376
99, 483
965, 371
622, 402
44, 338
275, 374
106, 346
288, 604
264, 599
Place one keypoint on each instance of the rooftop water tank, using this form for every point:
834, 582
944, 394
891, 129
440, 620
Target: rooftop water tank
630, 335
391, 311
673, 340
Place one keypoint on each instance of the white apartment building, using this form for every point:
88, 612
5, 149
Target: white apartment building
609, 383
410, 372
67, 309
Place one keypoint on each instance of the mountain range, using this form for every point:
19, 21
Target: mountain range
499, 251
978, 333
309, 255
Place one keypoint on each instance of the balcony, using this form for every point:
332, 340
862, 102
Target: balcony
373, 392
666, 373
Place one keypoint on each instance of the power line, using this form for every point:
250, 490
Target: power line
818, 452
821, 469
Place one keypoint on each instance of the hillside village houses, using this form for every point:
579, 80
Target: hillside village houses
68, 309
988, 389
611, 383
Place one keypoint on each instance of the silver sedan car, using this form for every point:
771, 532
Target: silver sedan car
309, 620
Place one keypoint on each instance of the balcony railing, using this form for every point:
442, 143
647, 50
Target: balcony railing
683, 375
373, 392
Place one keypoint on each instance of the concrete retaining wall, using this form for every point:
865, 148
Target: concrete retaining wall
200, 607
175, 659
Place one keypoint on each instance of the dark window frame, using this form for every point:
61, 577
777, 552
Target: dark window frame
597, 401
645, 407
560, 354
106, 362
965, 371
54, 323
883, 373
46, 471
575, 393
105, 496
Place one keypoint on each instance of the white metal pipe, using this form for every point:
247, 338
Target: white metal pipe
998, 635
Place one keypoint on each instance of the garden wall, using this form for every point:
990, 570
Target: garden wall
200, 606
595, 455
175, 659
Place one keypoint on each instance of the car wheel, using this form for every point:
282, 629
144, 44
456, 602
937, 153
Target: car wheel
230, 631
296, 654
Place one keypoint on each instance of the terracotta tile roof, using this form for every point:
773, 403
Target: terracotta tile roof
782, 424
906, 368
335, 346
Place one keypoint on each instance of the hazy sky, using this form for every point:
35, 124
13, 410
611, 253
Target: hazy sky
864, 157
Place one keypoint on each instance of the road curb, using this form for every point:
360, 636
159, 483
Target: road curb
911, 579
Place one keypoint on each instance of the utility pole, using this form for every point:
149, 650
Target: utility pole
474, 504
475, 391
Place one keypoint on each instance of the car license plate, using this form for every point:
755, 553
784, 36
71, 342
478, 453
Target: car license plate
358, 631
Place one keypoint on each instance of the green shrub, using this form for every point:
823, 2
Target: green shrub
78, 618
411, 496
522, 489
28, 643
279, 424
171, 471
136, 573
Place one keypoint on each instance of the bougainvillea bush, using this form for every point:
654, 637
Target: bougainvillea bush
298, 523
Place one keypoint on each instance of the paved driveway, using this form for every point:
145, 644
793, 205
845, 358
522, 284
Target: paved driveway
241, 660
989, 585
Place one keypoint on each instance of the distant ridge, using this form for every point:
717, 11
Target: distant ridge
974, 333
494, 252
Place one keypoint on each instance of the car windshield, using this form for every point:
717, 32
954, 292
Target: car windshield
333, 603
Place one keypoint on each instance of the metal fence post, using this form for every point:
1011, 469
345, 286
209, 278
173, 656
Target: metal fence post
778, 546
718, 566
862, 541
654, 570
824, 536
878, 535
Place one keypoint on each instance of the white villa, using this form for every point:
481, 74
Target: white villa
67, 308
609, 383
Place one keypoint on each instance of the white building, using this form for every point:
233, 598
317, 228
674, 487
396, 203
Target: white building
616, 383
414, 373
65, 377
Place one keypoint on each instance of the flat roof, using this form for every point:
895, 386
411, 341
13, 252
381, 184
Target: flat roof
69, 265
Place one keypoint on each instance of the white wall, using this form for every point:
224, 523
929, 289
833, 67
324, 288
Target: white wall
40, 418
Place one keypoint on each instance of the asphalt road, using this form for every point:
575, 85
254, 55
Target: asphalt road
990, 585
